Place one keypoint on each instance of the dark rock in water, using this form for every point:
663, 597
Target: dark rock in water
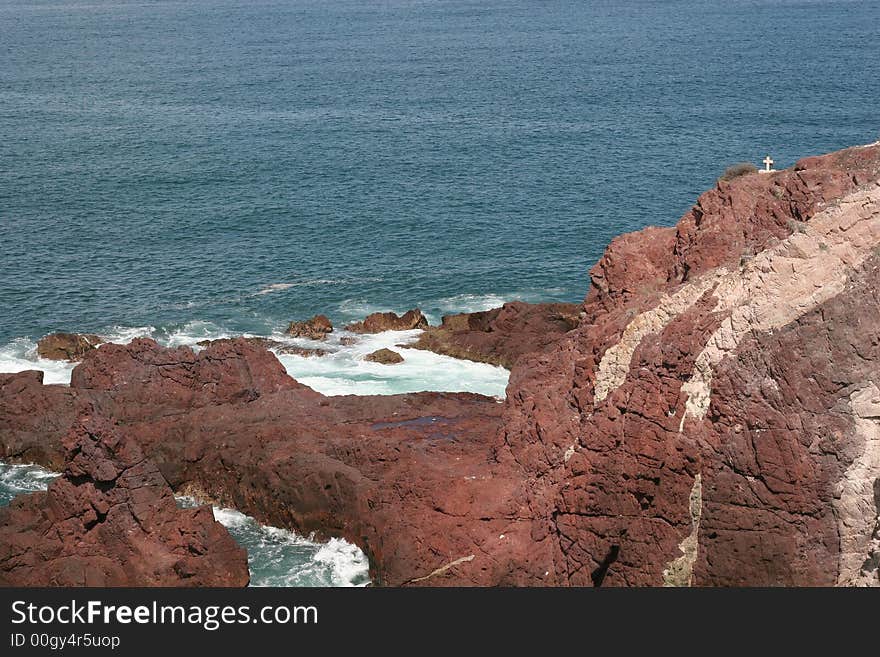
67, 346
264, 343
111, 520
315, 328
305, 352
348, 340
384, 356
379, 322
274, 345
502, 335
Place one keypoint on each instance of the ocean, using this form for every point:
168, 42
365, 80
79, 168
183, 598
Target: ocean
200, 169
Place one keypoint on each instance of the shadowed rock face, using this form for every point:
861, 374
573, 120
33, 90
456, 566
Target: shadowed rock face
111, 520
713, 419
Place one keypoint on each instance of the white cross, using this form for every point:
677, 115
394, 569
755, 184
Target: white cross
768, 162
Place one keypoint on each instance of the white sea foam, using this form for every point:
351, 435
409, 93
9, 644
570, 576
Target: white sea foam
18, 479
21, 354
343, 371
274, 287
358, 308
346, 563
192, 333
125, 334
346, 372
473, 303
278, 557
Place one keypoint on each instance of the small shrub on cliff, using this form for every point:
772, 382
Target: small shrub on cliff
738, 170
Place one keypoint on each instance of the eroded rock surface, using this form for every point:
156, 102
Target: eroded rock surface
111, 520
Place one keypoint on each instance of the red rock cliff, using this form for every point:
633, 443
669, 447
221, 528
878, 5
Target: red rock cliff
714, 419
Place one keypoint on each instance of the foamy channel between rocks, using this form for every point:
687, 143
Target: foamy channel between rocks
342, 371
276, 557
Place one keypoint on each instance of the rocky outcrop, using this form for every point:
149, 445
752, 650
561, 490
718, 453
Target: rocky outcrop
711, 420
316, 328
222, 425
111, 520
500, 336
67, 346
384, 356
380, 322
699, 427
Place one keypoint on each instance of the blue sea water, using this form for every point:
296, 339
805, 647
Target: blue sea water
196, 169
164, 162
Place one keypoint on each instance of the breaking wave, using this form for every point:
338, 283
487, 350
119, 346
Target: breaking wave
276, 557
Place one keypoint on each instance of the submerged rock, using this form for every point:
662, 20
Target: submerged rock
384, 356
315, 328
67, 346
111, 520
380, 322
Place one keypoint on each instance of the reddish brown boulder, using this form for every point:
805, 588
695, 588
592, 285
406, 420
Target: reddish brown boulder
67, 346
500, 336
379, 322
144, 374
111, 520
315, 328
385, 357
